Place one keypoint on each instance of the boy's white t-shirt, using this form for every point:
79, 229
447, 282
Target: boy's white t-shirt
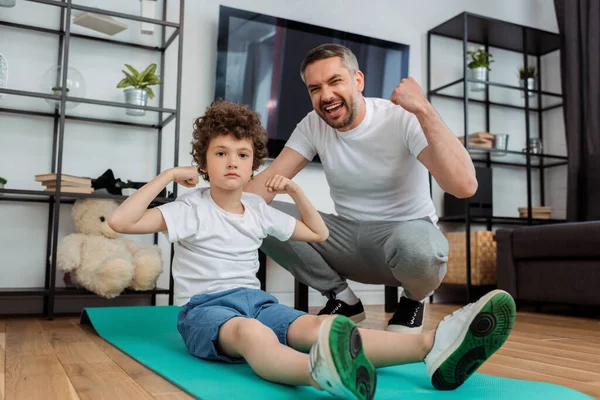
372, 170
216, 250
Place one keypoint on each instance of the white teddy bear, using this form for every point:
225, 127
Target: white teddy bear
100, 262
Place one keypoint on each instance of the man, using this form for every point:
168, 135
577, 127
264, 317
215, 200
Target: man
375, 154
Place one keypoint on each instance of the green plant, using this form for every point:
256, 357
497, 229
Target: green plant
140, 80
531, 73
480, 58
58, 89
3, 181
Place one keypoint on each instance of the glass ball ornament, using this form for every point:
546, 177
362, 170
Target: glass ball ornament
51, 84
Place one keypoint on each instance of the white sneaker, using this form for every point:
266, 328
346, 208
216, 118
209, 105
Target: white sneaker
338, 363
468, 337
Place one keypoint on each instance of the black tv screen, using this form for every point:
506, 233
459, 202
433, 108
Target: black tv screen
258, 64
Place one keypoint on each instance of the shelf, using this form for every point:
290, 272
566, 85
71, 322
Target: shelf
89, 110
109, 13
127, 292
94, 38
23, 292
515, 158
500, 94
501, 220
38, 196
499, 34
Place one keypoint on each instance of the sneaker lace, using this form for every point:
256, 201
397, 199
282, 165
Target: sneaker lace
459, 311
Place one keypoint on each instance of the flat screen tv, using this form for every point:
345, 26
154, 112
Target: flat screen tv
258, 64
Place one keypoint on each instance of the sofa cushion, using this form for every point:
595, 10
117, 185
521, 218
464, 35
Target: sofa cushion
568, 240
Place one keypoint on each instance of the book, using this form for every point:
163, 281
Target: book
71, 189
75, 180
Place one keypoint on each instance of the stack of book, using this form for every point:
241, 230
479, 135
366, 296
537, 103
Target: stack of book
536, 212
68, 183
479, 139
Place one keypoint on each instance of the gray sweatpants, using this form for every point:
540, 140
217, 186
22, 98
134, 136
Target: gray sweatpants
410, 254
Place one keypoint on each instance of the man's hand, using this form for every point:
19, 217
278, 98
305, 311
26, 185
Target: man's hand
408, 95
281, 184
185, 176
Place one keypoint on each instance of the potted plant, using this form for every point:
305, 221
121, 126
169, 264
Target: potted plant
479, 67
2, 183
140, 91
530, 76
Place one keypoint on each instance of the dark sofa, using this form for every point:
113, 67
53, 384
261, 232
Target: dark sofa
551, 263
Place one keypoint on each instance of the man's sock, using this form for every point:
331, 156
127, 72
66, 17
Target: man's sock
347, 296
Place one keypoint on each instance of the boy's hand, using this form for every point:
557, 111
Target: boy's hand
185, 176
281, 184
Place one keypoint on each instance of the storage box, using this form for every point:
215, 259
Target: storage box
483, 258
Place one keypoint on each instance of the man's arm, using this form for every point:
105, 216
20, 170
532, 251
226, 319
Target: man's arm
288, 163
445, 157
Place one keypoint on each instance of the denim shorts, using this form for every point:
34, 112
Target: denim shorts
199, 320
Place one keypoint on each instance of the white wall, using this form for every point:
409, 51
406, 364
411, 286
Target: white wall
90, 149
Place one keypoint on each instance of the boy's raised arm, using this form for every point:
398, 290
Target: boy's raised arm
133, 216
311, 228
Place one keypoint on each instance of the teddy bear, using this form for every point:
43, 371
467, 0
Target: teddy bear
98, 260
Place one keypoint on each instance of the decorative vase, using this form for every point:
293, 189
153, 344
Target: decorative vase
480, 74
52, 79
138, 97
531, 85
147, 10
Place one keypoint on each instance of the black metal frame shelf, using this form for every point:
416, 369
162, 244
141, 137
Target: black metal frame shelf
501, 220
490, 32
39, 196
436, 92
56, 198
94, 38
486, 153
171, 112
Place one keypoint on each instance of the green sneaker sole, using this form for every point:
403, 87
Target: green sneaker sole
356, 372
487, 333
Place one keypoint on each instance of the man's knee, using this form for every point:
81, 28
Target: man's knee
418, 248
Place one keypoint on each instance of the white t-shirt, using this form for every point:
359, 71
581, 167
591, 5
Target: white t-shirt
372, 170
216, 250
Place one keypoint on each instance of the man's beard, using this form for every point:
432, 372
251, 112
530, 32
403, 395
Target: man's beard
352, 111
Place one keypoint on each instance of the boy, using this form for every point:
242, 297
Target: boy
224, 315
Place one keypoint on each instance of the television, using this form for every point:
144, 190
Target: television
258, 64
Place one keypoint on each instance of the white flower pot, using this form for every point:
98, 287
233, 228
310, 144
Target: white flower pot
1, 187
147, 10
138, 97
480, 74
531, 85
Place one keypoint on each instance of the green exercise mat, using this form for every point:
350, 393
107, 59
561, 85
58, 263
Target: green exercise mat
149, 335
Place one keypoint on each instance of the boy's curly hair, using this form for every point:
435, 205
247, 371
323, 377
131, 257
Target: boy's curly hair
222, 118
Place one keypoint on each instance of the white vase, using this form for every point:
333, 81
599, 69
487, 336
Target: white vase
1, 187
480, 74
138, 97
531, 85
147, 10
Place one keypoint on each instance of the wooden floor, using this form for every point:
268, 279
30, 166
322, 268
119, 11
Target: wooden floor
41, 359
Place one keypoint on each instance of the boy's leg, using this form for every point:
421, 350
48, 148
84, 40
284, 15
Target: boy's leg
250, 339
337, 363
382, 348
459, 345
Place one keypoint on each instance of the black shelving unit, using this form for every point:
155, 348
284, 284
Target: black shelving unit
493, 33
54, 199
